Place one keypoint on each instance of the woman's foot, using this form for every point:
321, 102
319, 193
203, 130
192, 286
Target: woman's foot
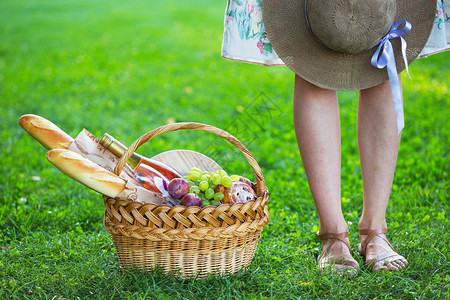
378, 253
336, 254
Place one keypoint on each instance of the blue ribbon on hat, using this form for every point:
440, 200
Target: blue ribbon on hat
384, 57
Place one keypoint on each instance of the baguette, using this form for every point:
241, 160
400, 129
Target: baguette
45, 132
86, 172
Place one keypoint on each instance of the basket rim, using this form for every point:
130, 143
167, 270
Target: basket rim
261, 187
162, 222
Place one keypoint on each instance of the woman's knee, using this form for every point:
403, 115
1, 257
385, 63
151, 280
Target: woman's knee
304, 90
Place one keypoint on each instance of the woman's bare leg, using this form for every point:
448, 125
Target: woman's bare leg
378, 144
317, 126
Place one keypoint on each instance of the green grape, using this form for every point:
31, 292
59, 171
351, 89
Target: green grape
203, 185
186, 178
205, 177
235, 177
226, 181
218, 196
209, 193
213, 187
216, 179
214, 202
222, 173
194, 169
197, 182
194, 189
191, 183
205, 203
194, 175
210, 182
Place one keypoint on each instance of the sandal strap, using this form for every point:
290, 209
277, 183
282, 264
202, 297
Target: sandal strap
342, 238
335, 236
371, 233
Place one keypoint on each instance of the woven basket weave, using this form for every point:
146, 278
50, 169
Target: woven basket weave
194, 241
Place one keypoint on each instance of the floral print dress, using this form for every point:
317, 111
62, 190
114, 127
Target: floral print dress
440, 35
245, 39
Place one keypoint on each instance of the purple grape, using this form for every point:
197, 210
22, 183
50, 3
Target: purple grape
191, 199
178, 187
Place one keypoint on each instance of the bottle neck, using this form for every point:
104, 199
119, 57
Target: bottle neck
118, 149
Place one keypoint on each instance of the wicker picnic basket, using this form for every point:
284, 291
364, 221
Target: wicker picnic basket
194, 241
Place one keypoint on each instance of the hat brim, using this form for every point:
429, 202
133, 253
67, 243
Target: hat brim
286, 28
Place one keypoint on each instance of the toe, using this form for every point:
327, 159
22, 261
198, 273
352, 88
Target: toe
389, 265
400, 264
380, 268
397, 264
394, 266
403, 263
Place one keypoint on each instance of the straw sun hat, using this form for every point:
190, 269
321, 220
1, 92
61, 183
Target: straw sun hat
330, 43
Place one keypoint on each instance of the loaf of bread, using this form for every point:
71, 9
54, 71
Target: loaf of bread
45, 132
86, 172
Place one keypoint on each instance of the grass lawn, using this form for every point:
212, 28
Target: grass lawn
126, 67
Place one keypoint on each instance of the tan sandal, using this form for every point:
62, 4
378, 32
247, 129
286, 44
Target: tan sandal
392, 262
340, 264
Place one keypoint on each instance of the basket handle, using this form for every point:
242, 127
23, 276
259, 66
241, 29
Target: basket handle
261, 188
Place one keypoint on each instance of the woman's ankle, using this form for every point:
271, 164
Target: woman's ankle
372, 223
333, 227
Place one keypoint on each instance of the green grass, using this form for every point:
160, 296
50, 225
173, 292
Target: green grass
126, 67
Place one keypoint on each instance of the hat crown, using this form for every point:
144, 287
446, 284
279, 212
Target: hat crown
350, 26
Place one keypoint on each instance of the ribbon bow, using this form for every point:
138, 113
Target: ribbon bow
384, 57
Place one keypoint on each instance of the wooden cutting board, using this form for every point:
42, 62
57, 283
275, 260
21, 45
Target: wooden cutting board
184, 160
